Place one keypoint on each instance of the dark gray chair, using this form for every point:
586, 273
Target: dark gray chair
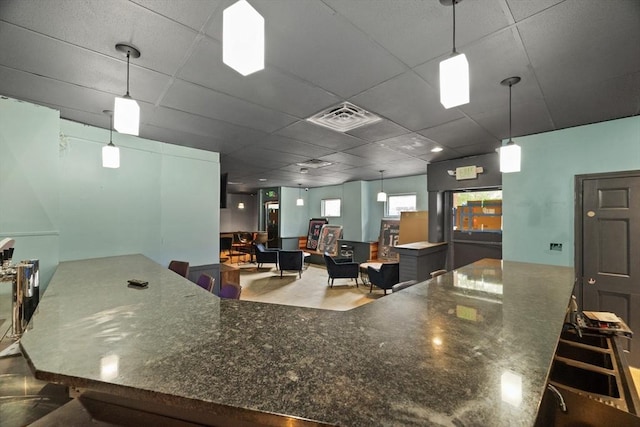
290, 261
346, 269
385, 278
180, 267
265, 255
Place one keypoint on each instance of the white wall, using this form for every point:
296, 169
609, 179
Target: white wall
538, 202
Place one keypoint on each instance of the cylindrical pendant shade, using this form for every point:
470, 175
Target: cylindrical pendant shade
110, 156
382, 196
126, 115
510, 158
300, 202
454, 81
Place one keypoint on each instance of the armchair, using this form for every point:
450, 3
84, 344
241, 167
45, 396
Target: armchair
341, 270
290, 260
264, 255
385, 278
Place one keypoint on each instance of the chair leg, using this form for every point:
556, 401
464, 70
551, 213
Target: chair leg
332, 282
281, 274
357, 283
300, 273
371, 288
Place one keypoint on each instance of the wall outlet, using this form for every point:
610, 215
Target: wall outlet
555, 246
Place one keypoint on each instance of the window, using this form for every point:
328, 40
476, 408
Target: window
400, 202
478, 211
330, 207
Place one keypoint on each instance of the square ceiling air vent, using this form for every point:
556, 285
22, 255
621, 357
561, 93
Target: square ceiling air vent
343, 117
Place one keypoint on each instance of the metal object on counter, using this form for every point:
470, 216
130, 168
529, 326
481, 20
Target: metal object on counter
22, 280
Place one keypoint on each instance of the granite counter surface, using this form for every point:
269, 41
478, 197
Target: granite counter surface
472, 347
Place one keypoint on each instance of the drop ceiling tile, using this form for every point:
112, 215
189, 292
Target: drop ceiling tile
270, 87
346, 159
378, 131
98, 25
76, 66
208, 103
597, 102
586, 46
527, 118
306, 39
459, 133
418, 31
377, 153
408, 101
288, 145
308, 132
522, 9
192, 13
412, 144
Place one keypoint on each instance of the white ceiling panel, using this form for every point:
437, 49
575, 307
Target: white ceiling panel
192, 13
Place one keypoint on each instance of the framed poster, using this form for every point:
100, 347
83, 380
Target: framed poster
389, 233
329, 235
315, 225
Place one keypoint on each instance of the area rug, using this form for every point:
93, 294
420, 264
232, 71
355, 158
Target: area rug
311, 290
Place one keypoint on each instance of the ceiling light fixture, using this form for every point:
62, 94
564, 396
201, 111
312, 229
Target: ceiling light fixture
110, 153
510, 152
241, 205
436, 149
300, 201
243, 38
382, 196
454, 71
126, 111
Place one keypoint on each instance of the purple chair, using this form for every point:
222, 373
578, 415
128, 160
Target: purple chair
180, 267
230, 291
206, 282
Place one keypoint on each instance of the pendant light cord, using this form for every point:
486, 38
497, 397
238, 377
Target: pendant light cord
454, 25
128, 55
111, 128
510, 113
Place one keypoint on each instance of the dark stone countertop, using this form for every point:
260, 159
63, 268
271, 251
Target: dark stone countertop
472, 347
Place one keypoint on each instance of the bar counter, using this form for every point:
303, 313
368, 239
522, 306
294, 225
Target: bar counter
471, 347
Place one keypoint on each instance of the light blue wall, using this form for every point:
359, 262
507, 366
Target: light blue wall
59, 204
29, 211
538, 202
294, 220
361, 213
161, 202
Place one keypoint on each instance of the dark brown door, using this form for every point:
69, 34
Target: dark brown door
611, 252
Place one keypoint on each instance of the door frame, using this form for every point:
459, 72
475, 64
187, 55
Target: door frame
578, 222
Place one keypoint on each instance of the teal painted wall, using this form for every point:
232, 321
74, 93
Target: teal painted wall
538, 202
29, 183
59, 204
361, 213
161, 202
294, 220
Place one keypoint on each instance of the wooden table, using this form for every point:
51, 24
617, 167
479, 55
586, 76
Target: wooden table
229, 274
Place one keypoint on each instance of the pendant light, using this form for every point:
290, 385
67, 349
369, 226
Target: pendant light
454, 71
241, 205
300, 201
382, 196
510, 153
243, 38
126, 111
110, 153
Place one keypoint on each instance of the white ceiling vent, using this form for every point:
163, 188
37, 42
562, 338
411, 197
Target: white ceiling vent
343, 117
314, 163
